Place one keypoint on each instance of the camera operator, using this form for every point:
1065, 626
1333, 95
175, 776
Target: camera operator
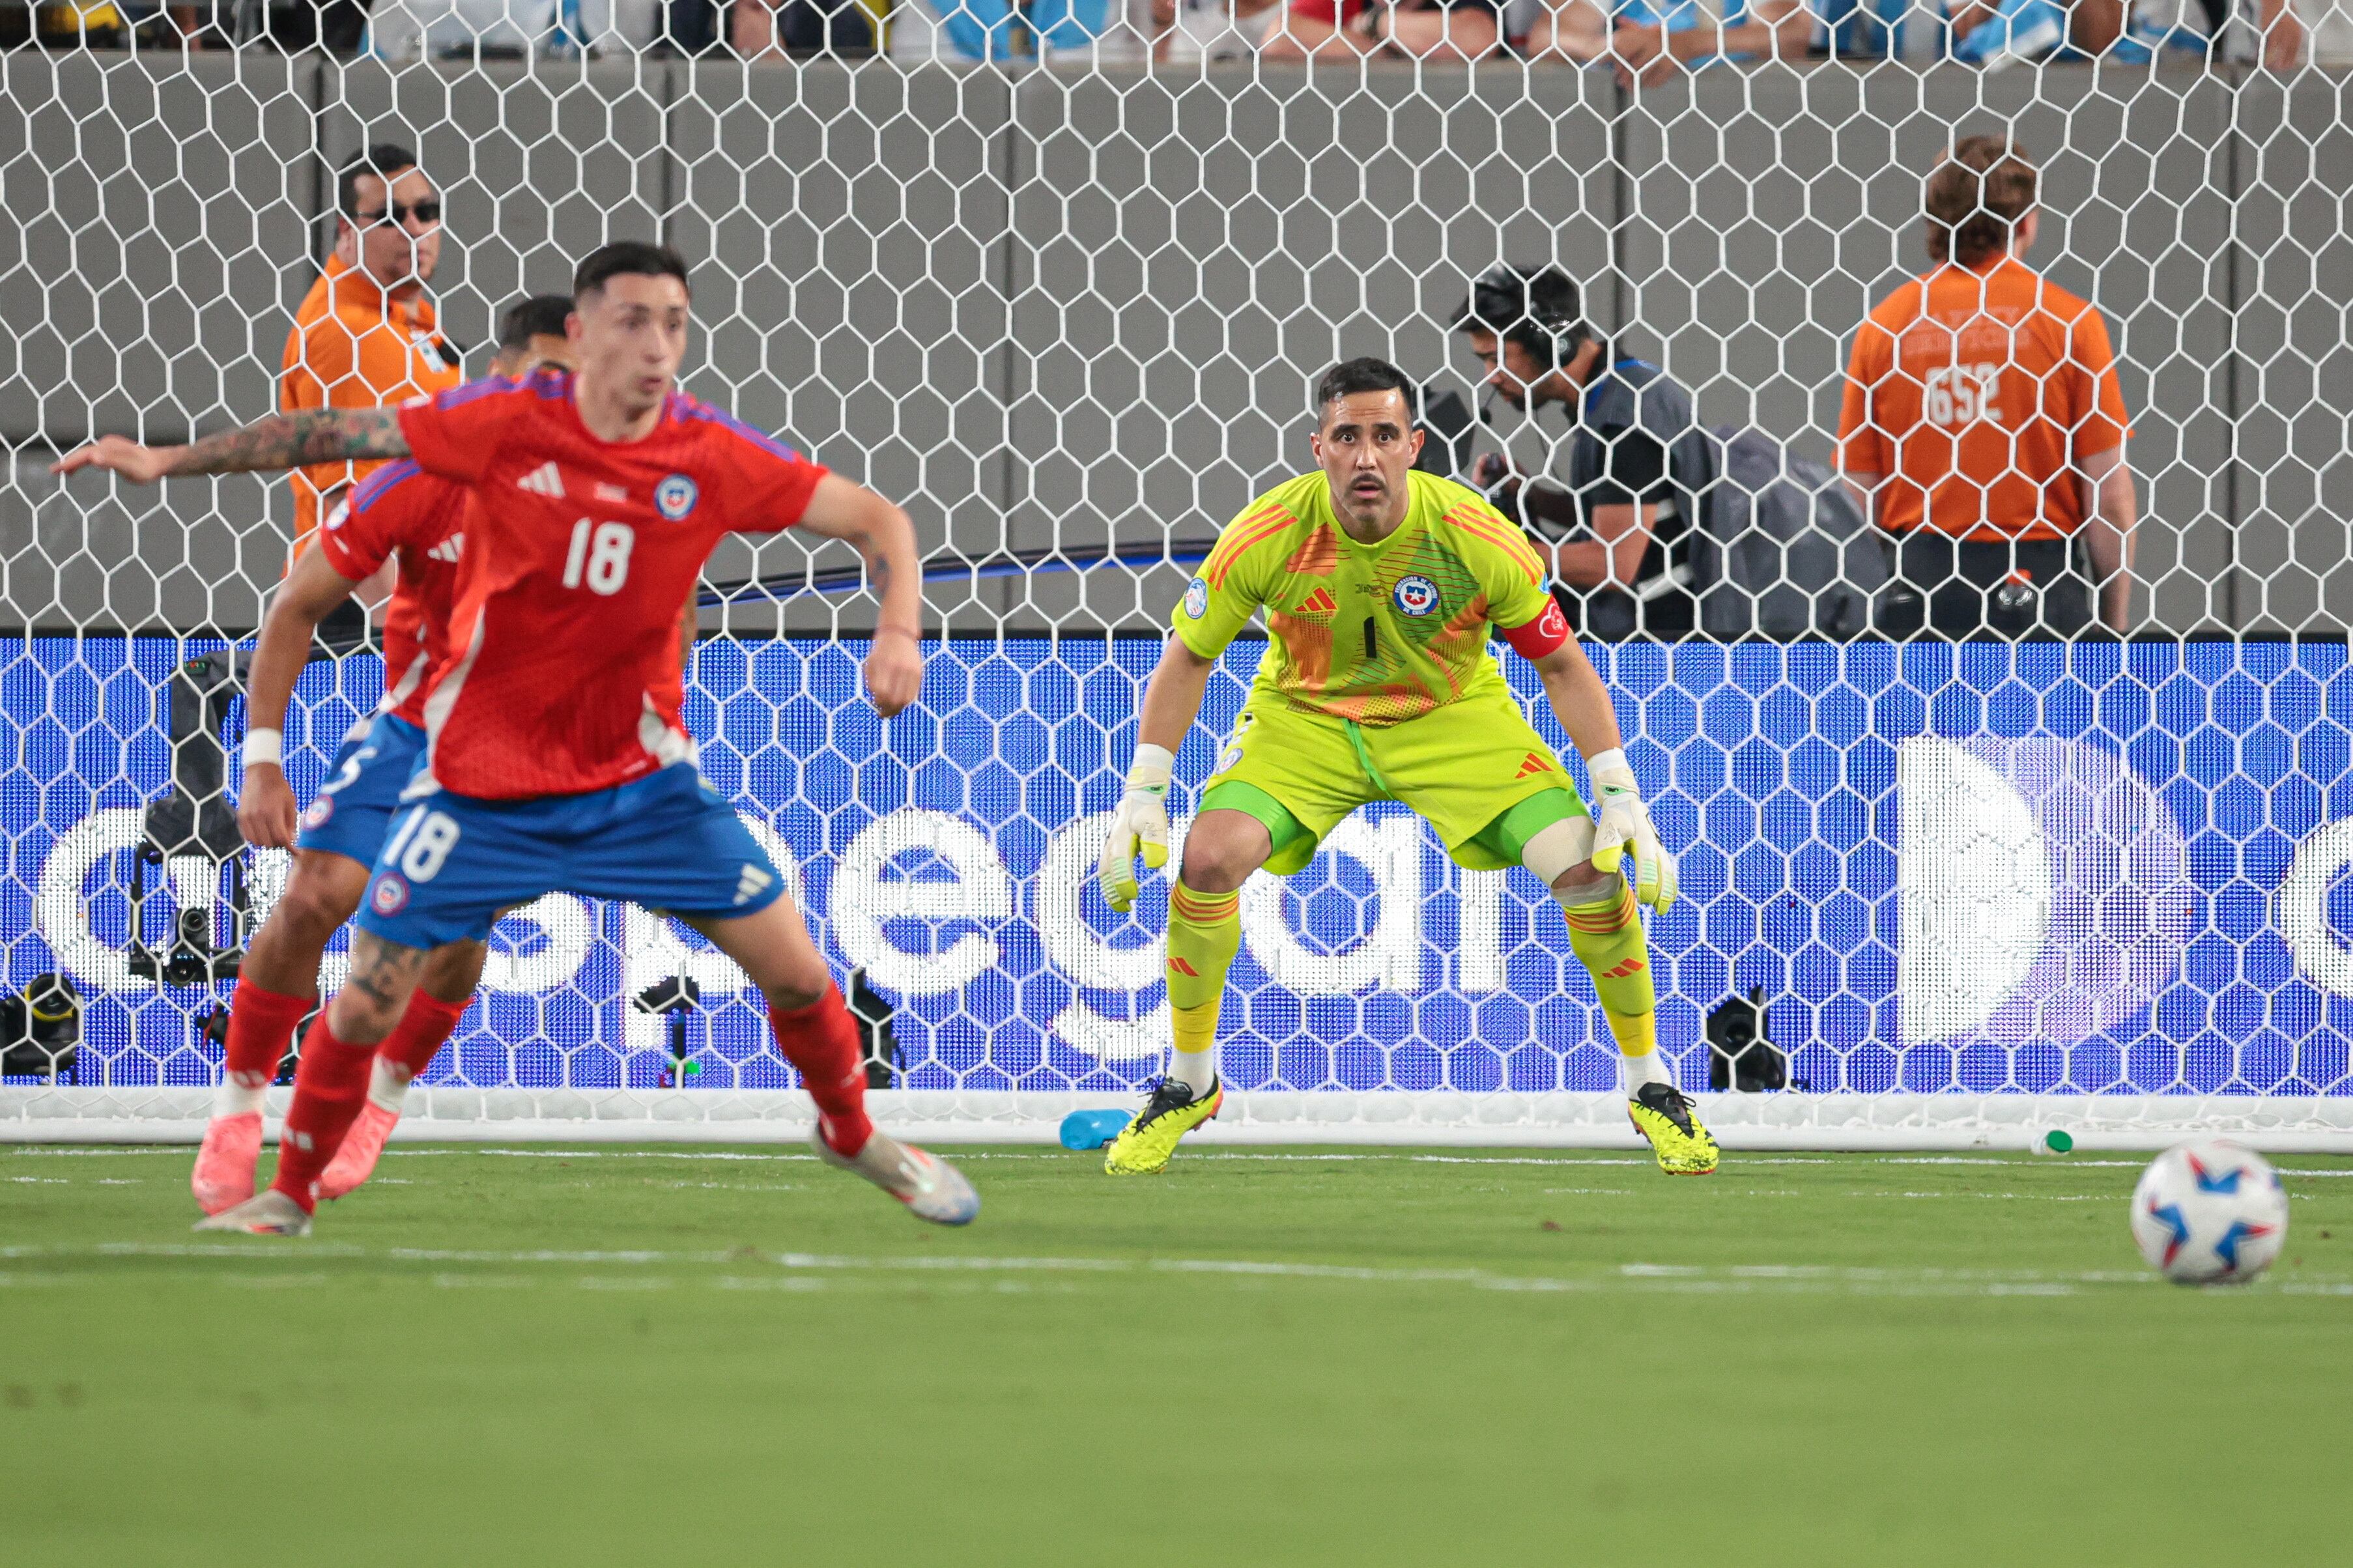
1623, 484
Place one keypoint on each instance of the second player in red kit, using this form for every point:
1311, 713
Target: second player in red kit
556, 759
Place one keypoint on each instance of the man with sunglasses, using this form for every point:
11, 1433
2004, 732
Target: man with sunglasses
366, 335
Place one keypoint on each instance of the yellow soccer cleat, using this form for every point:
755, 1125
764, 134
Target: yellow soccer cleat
1143, 1145
1663, 1114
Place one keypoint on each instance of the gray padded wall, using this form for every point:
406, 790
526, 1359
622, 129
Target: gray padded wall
2294, 368
1085, 307
1194, 251
849, 234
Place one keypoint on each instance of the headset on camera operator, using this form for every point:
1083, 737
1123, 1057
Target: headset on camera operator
1625, 479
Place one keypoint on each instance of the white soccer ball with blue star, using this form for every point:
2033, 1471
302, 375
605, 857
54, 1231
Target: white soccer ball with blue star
2210, 1213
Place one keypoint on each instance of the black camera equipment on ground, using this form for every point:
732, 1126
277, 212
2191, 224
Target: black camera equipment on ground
40, 1029
193, 817
673, 998
1740, 1054
879, 1047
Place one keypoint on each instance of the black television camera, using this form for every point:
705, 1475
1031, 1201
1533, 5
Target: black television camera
40, 1028
1740, 1054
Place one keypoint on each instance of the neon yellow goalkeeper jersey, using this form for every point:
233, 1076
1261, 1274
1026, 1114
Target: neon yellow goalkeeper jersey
1377, 633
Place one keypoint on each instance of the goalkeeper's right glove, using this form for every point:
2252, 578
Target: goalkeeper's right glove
1140, 822
1624, 830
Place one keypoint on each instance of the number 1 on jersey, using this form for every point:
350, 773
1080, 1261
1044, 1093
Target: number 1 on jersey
600, 555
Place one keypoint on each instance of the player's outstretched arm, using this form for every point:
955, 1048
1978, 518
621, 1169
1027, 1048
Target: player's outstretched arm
1622, 825
883, 535
265, 810
281, 441
1172, 700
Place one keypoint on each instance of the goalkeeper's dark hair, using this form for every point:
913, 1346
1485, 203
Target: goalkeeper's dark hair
1352, 377
538, 316
1974, 198
387, 160
628, 259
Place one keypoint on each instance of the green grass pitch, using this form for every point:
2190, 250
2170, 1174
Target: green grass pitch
673, 1355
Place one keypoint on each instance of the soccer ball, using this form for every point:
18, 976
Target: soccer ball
2210, 1213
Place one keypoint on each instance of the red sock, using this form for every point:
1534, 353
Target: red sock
260, 1024
822, 1041
328, 1089
423, 1029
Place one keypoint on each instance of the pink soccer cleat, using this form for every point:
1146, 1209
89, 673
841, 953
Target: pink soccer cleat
225, 1161
354, 1163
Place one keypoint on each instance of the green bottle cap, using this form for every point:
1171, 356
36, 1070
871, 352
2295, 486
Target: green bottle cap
2058, 1143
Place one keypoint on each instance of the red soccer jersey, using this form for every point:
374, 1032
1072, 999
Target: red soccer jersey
401, 511
563, 674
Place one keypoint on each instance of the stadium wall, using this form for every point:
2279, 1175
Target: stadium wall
1063, 309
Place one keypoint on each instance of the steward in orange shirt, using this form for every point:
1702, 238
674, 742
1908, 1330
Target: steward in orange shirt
1984, 425
366, 335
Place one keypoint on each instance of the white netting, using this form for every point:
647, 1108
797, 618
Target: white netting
1068, 312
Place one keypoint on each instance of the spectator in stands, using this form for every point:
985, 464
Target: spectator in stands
366, 335
1985, 428
1405, 30
1994, 33
1613, 512
1647, 41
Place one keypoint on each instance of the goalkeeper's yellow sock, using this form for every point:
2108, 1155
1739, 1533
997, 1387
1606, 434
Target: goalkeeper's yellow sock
1606, 934
1205, 931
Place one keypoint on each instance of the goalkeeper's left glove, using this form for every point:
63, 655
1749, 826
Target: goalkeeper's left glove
1140, 822
1624, 827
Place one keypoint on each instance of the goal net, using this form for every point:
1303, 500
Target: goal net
1067, 311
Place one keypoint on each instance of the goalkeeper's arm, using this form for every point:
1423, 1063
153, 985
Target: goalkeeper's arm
1172, 700
1622, 823
264, 810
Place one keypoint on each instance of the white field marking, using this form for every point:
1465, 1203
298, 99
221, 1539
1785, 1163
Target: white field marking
1590, 1192
42, 1181
624, 1282
1694, 1277
120, 1181
771, 1282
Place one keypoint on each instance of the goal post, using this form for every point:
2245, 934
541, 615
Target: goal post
1068, 314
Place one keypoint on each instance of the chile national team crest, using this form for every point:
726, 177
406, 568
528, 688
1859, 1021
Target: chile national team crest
674, 496
1415, 595
390, 894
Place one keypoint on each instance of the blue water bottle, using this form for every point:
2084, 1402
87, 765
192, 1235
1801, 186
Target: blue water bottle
1092, 1129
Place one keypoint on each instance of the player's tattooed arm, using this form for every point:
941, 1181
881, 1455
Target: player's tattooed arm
281, 441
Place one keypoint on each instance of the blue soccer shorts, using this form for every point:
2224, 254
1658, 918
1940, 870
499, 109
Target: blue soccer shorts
668, 842
355, 808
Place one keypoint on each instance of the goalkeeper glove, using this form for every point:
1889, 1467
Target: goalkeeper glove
1625, 827
1140, 822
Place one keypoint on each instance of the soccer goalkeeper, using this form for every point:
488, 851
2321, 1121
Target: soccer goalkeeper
1379, 583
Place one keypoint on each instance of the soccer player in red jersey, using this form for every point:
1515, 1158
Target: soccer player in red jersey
336, 840
556, 758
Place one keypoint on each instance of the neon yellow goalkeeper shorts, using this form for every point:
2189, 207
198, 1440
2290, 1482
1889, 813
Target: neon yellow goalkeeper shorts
1475, 769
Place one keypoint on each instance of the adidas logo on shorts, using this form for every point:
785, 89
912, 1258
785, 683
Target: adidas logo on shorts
751, 884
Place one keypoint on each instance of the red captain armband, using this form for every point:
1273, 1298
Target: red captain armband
1541, 635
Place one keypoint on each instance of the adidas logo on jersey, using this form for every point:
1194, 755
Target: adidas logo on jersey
1319, 603
751, 884
542, 481
1534, 764
449, 550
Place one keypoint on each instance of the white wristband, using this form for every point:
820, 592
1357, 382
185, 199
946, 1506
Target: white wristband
264, 746
1611, 769
1151, 768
